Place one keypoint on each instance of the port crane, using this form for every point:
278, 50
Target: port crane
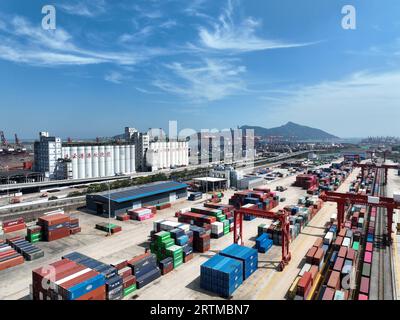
345, 199
386, 167
282, 216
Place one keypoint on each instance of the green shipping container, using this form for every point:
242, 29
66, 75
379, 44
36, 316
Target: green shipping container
356, 245
178, 262
129, 290
167, 243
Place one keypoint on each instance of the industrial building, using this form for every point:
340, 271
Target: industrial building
124, 199
80, 160
209, 184
250, 183
165, 155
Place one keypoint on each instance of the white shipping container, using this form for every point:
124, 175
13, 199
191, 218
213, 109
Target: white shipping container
346, 242
305, 269
328, 238
396, 196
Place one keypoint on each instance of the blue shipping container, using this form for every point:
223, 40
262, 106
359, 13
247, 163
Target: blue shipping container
248, 256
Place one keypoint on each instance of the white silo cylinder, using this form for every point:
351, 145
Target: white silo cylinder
132, 151
122, 158
117, 167
107, 161
102, 165
74, 158
127, 159
88, 161
81, 162
110, 156
95, 162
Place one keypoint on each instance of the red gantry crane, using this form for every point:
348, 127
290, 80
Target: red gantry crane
282, 216
343, 199
386, 167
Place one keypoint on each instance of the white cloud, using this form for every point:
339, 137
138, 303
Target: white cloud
22, 42
89, 8
225, 34
210, 81
362, 104
114, 77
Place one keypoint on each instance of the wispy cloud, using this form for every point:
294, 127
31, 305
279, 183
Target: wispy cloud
114, 77
22, 42
85, 8
226, 34
212, 80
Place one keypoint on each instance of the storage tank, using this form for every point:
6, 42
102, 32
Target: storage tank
122, 158
81, 162
102, 163
127, 159
132, 152
95, 162
88, 161
117, 168
74, 160
109, 161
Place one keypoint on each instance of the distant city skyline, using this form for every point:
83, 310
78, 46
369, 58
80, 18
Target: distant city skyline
207, 64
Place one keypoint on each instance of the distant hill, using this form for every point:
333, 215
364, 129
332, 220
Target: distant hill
291, 129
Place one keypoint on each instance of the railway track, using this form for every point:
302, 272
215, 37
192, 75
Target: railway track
381, 287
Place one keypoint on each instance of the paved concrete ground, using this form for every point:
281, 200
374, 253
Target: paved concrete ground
182, 283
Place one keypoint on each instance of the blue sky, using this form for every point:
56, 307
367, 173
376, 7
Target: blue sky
205, 63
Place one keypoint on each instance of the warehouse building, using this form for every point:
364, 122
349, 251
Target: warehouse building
135, 197
248, 183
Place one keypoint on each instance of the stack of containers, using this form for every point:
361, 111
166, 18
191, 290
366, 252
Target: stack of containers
67, 280
74, 226
141, 214
162, 241
163, 206
247, 256
54, 226
195, 196
8, 256
34, 234
28, 251
201, 239
113, 281
176, 253
263, 243
13, 225
108, 227
221, 275
145, 269
217, 230
123, 217
128, 279
166, 265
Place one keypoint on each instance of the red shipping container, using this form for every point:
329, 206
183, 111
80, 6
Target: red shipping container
329, 294
129, 281
11, 262
14, 228
334, 280
342, 252
188, 258
338, 242
364, 285
11, 223
304, 284
369, 246
338, 264
318, 257
351, 254
310, 255
314, 271
53, 219
342, 233
362, 297
96, 294
318, 243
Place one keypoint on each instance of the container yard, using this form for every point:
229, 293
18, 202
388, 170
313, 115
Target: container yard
185, 249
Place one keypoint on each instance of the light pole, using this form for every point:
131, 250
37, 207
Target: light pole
109, 208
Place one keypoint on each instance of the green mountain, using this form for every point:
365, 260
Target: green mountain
292, 130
